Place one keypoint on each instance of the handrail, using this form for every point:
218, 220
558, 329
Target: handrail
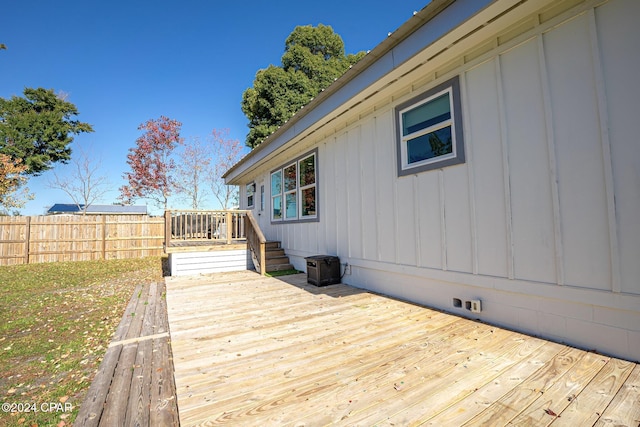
210, 225
257, 243
197, 227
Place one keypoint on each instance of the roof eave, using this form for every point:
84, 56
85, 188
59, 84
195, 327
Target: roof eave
234, 175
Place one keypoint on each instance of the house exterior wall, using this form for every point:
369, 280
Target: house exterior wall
542, 221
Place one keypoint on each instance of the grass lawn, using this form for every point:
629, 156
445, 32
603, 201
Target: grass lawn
283, 273
56, 321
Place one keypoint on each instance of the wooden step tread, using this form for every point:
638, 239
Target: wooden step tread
279, 267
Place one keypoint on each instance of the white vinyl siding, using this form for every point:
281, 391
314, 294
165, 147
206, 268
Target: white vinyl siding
542, 220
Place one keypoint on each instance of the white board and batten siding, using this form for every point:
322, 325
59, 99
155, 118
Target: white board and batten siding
542, 221
208, 262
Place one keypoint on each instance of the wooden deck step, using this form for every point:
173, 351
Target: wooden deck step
275, 253
273, 260
276, 258
272, 244
134, 384
279, 267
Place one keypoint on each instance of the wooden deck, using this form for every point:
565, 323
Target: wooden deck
134, 384
252, 350
204, 245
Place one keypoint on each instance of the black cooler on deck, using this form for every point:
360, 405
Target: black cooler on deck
323, 270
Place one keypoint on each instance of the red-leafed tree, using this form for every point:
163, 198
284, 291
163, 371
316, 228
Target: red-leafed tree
151, 163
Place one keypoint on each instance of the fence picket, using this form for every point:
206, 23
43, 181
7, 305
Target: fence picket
79, 238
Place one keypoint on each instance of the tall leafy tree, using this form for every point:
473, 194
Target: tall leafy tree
151, 175
275, 96
314, 57
38, 129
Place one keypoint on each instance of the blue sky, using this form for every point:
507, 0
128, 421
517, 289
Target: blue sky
125, 62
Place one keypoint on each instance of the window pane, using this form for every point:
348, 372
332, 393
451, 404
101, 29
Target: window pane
290, 178
277, 207
309, 201
434, 144
427, 114
251, 189
291, 208
308, 171
276, 183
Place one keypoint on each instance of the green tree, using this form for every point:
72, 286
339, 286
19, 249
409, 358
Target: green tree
314, 57
38, 129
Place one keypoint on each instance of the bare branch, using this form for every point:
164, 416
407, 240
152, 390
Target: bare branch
193, 167
83, 184
226, 153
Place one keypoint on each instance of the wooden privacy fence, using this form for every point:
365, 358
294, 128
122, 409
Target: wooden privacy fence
34, 239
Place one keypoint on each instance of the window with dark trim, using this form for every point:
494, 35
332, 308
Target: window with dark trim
294, 190
429, 130
251, 190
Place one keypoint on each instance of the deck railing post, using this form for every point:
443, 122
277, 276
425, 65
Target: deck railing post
228, 220
167, 230
256, 242
263, 258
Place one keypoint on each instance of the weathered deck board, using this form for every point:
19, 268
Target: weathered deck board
250, 350
134, 384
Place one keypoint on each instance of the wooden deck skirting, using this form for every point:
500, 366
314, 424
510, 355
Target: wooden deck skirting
134, 384
204, 246
257, 351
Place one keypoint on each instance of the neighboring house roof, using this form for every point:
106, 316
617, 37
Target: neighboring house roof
70, 208
425, 29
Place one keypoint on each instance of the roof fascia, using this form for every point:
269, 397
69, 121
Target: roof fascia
442, 16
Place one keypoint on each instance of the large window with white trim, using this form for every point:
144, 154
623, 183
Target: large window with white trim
293, 190
430, 130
